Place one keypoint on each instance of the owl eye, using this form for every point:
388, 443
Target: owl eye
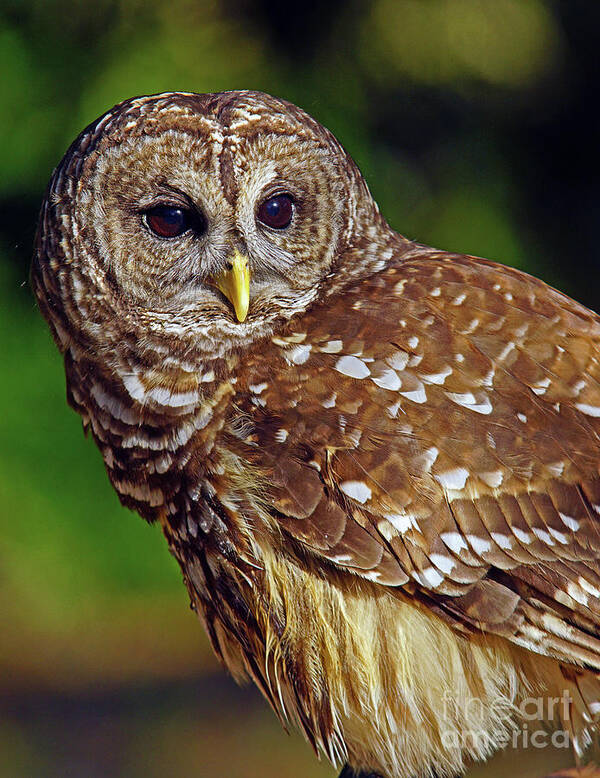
168, 221
277, 211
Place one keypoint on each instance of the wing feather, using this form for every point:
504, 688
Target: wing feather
442, 434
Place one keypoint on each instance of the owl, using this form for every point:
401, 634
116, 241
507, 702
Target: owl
376, 463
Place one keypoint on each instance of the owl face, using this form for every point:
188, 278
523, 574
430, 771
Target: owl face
228, 210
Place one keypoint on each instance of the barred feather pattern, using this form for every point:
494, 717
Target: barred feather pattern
382, 488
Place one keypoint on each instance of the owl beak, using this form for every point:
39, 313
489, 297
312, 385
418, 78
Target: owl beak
234, 283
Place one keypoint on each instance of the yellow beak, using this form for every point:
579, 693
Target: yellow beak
235, 284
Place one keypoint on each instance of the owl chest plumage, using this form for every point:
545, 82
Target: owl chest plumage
322, 443
346, 439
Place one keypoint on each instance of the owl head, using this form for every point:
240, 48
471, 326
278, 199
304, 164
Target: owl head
202, 217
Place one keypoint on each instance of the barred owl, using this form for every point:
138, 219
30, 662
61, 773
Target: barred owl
376, 463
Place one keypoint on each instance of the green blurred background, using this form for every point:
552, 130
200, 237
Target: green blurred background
474, 122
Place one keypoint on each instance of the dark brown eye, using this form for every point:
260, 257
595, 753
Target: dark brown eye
277, 211
168, 221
